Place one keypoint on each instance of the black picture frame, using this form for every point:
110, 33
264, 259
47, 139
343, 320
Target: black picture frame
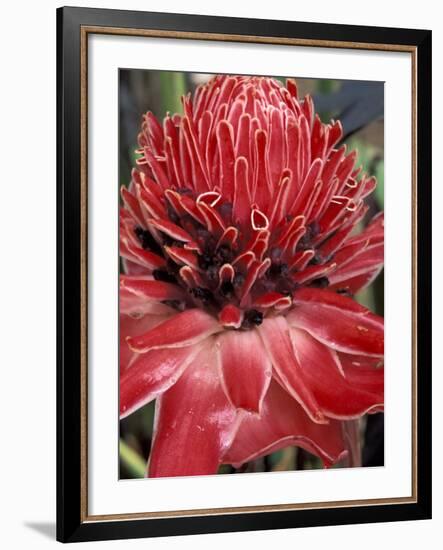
72, 525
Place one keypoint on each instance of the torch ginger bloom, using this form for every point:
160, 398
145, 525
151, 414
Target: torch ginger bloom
241, 258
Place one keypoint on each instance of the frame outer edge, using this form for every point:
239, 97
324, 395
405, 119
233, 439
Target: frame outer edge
69, 520
68, 275
424, 275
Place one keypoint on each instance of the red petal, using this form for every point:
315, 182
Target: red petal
313, 272
259, 221
275, 333
272, 299
148, 288
255, 271
191, 276
214, 221
305, 146
308, 184
151, 374
183, 256
131, 268
172, 150
280, 200
139, 256
276, 149
184, 329
364, 372
338, 322
293, 144
191, 208
360, 269
291, 85
132, 205
242, 201
245, 368
231, 316
155, 132
227, 158
335, 133
261, 192
283, 423
229, 237
169, 228
200, 177
150, 205
243, 143
355, 284
335, 242
194, 424
138, 305
156, 168
345, 169
338, 396
131, 325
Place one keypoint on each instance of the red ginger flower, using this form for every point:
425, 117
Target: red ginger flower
241, 260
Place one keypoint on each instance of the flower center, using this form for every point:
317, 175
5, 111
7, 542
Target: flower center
225, 262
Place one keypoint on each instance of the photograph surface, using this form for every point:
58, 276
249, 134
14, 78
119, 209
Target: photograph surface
251, 293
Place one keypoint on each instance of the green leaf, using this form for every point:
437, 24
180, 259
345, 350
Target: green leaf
327, 86
173, 86
132, 460
380, 189
366, 298
365, 152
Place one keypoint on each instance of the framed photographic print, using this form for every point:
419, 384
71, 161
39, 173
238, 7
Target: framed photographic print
244, 274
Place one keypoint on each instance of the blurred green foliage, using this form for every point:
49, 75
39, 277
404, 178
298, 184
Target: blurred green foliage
132, 461
370, 158
173, 87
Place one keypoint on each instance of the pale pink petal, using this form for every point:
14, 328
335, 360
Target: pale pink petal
338, 396
283, 423
244, 367
137, 306
275, 333
195, 423
150, 374
231, 316
132, 325
184, 329
150, 289
338, 322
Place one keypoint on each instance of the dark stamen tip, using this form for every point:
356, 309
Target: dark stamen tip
184, 191
172, 214
223, 255
314, 229
345, 292
321, 282
212, 273
202, 294
227, 289
204, 261
316, 259
252, 317
176, 304
239, 279
147, 241
163, 275
278, 270
226, 210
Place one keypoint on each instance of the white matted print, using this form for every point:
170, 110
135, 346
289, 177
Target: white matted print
109, 495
